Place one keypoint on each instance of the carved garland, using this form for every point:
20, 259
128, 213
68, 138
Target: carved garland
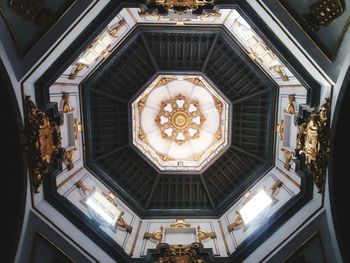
313, 143
43, 142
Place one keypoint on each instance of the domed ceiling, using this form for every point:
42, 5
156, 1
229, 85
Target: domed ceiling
179, 75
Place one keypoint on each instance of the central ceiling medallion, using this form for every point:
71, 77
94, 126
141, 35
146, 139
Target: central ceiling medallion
180, 119
180, 123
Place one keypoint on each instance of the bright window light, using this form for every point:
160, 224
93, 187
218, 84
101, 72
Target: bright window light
103, 207
255, 206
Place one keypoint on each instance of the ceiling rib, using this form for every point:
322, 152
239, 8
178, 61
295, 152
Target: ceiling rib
152, 191
99, 158
207, 191
209, 53
247, 153
155, 65
110, 96
250, 96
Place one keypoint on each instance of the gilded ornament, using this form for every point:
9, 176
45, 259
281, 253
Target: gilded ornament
204, 235
164, 81
69, 159
43, 142
288, 155
142, 135
76, 131
180, 253
196, 81
237, 223
281, 129
141, 104
291, 104
178, 117
156, 236
66, 105
313, 143
279, 70
180, 224
218, 105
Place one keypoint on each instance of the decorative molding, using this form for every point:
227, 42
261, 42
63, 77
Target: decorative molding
322, 13
43, 142
87, 191
313, 143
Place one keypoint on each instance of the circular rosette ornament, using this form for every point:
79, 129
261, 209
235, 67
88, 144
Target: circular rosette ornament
180, 119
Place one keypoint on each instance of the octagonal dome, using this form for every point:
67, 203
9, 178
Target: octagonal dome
115, 150
180, 123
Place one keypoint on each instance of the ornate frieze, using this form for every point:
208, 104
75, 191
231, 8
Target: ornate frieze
313, 143
43, 140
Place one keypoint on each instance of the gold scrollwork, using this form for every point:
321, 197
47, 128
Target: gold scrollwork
43, 142
313, 143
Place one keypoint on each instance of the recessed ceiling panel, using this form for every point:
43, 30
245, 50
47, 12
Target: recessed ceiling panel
180, 123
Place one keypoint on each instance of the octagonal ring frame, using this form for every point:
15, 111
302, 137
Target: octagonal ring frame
217, 91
